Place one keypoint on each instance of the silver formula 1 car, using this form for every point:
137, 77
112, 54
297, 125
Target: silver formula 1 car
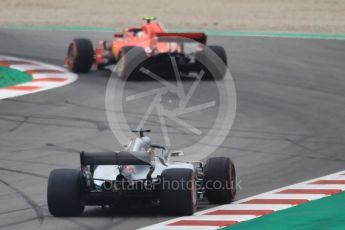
143, 172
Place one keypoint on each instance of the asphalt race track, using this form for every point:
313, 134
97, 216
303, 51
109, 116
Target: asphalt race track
289, 124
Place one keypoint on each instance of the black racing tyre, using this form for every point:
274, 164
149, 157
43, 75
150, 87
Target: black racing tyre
80, 55
213, 69
129, 62
220, 52
64, 193
178, 194
220, 180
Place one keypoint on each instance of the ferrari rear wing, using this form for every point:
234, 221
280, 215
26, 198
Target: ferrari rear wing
114, 158
182, 37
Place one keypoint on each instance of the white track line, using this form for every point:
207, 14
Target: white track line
290, 196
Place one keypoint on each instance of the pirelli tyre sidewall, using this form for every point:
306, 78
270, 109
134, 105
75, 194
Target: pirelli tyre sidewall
80, 55
220, 180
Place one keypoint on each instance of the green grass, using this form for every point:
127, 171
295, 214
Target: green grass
9, 77
323, 214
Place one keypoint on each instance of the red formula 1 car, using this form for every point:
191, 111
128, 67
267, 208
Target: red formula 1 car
149, 43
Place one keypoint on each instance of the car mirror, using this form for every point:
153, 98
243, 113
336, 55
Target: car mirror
176, 153
118, 35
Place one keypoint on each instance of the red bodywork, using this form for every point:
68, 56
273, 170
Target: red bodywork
151, 36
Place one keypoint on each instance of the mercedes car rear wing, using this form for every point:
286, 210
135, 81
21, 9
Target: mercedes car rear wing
114, 158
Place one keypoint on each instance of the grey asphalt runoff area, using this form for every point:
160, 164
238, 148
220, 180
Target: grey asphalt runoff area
289, 124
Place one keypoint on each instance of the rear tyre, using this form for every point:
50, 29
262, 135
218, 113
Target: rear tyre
220, 180
129, 62
220, 52
178, 194
80, 55
64, 193
213, 69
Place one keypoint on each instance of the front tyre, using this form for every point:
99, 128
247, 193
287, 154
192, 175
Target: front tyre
178, 194
80, 55
220, 180
64, 193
